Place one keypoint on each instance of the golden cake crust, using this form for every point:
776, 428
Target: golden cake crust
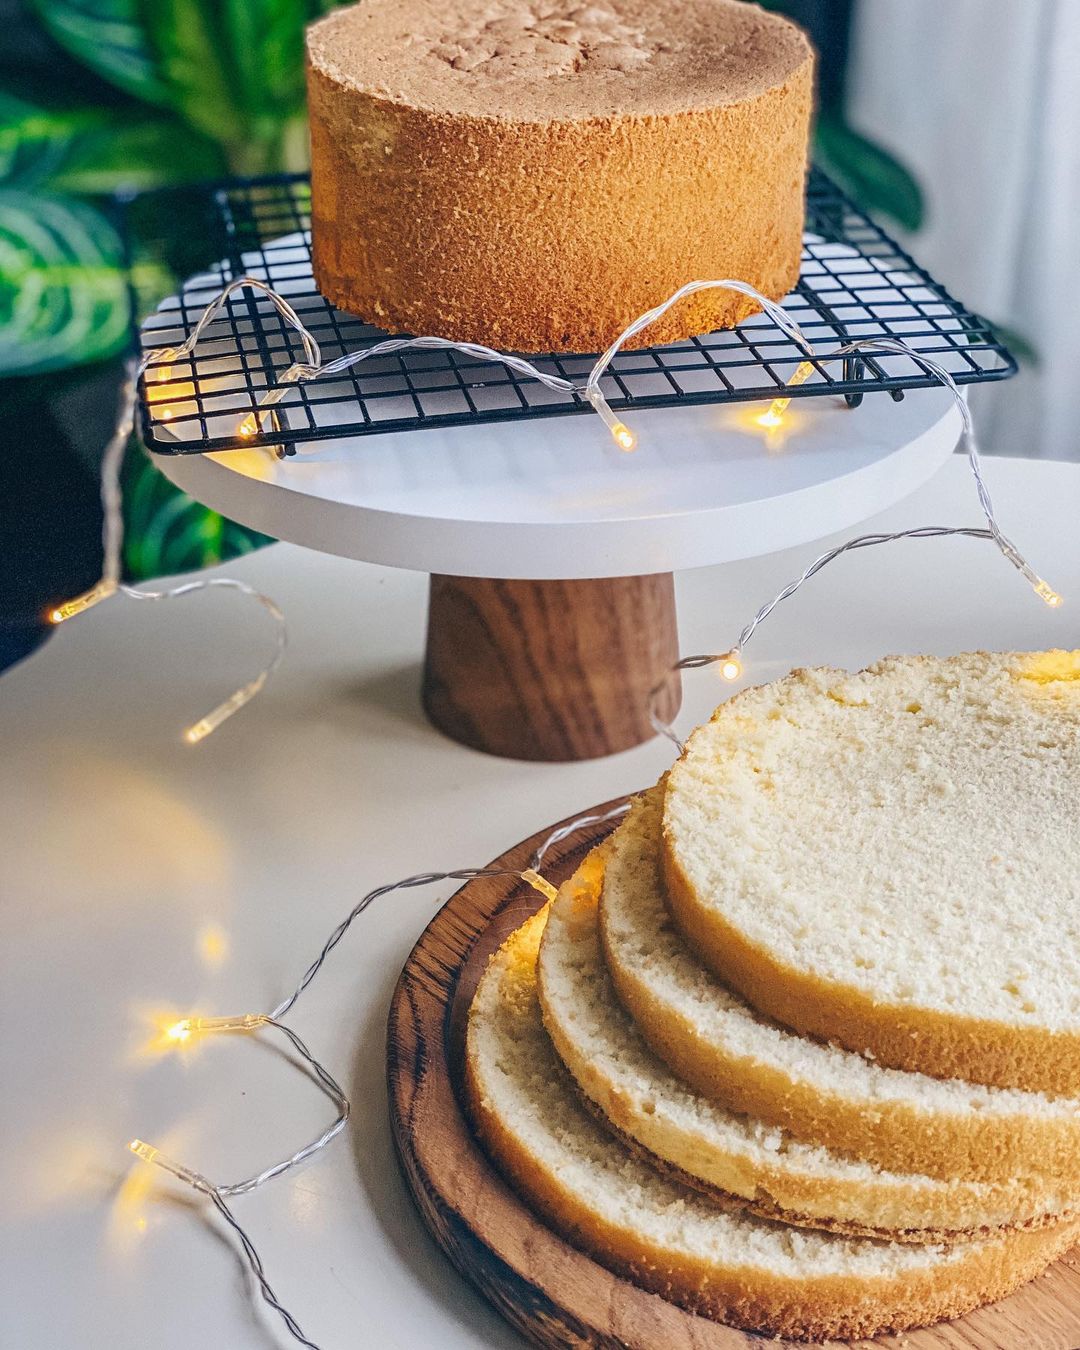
815, 1305
537, 192
947, 1137
796, 1190
1036, 691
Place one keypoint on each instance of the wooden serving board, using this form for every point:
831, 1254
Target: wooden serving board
553, 1293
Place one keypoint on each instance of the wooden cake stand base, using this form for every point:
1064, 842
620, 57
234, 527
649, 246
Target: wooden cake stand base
553, 1293
550, 670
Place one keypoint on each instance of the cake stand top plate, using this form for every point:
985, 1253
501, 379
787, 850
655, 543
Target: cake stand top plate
547, 499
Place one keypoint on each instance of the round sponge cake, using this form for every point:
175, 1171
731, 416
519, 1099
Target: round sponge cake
534, 174
700, 1141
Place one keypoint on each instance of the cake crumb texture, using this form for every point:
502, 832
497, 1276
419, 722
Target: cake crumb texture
533, 174
730, 1266
734, 1157
891, 860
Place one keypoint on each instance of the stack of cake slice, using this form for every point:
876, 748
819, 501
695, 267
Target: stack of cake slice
797, 1046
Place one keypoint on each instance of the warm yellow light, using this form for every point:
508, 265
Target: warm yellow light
1048, 594
162, 391
81, 603
539, 883
731, 668
212, 944
249, 426
180, 1031
147, 1152
624, 438
774, 414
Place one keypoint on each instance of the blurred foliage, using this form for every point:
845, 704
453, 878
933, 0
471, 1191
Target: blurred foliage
162, 92
170, 92
867, 173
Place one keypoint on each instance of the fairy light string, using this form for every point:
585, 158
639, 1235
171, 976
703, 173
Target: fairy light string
181, 1032
313, 368
112, 531
730, 662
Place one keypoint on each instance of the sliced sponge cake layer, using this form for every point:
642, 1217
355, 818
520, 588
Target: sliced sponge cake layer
891, 860
770, 1171
905, 1122
730, 1266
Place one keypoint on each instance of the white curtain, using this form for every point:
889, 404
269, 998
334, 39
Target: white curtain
981, 100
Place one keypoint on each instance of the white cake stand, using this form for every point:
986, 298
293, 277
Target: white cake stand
551, 552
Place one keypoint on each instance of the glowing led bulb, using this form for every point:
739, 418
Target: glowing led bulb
147, 1152
81, 603
1047, 593
774, 415
187, 1026
249, 426
621, 434
731, 667
623, 437
539, 883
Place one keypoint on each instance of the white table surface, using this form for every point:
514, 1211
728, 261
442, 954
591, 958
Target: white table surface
139, 875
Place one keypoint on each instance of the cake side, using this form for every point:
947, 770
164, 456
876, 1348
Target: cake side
823, 1094
716, 1149
935, 921
554, 233
731, 1267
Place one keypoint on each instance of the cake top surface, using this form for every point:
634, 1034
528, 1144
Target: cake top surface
640, 937
911, 831
557, 60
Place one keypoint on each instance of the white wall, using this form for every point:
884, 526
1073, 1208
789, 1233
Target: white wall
981, 99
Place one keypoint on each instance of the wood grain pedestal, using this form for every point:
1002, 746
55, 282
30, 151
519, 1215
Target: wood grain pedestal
550, 670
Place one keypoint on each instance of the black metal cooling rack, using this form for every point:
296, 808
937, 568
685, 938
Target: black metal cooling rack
855, 282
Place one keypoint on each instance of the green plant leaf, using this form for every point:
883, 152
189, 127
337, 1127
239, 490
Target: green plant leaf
110, 37
165, 531
1018, 344
35, 143
266, 39
234, 69
98, 151
875, 179
187, 40
63, 292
